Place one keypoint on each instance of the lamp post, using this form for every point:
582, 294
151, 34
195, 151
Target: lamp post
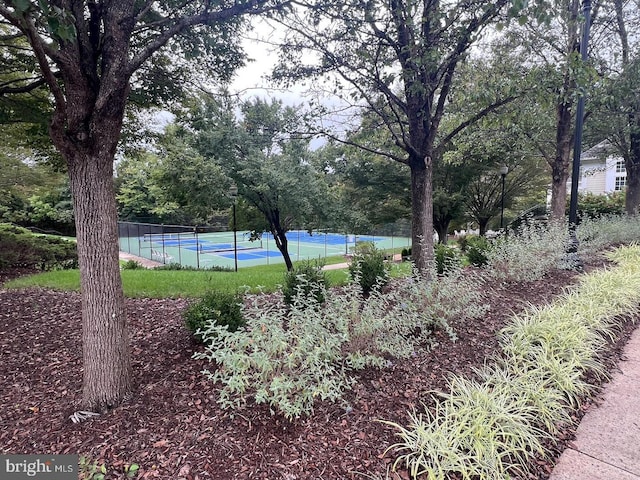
572, 248
503, 173
233, 194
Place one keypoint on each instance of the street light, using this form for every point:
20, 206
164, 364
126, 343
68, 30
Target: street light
503, 173
572, 248
233, 194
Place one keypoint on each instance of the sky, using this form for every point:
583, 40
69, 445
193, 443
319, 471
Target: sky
251, 80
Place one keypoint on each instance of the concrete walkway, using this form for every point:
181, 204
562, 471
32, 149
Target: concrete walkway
607, 445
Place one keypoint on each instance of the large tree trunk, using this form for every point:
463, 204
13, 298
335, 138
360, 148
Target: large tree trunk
422, 213
560, 175
632, 196
564, 124
482, 225
107, 369
442, 229
560, 165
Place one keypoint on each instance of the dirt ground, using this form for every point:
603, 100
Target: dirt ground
173, 427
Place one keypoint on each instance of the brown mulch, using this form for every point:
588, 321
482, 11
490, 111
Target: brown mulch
173, 427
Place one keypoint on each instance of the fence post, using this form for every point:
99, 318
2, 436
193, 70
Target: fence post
195, 233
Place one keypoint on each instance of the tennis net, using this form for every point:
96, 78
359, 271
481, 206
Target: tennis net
161, 237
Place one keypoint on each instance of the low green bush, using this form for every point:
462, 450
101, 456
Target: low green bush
368, 267
292, 357
307, 279
528, 254
131, 265
179, 266
218, 308
594, 206
476, 249
447, 258
20, 248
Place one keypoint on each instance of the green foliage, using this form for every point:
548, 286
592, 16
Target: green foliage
215, 308
291, 357
475, 248
405, 253
20, 248
131, 265
368, 267
307, 279
528, 254
88, 470
492, 427
447, 258
597, 233
594, 206
179, 266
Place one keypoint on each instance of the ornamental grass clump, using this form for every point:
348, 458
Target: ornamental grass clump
492, 427
478, 430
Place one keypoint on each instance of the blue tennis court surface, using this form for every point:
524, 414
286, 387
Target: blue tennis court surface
323, 238
251, 255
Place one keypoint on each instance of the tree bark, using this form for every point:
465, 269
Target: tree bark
280, 237
482, 225
559, 175
422, 213
107, 368
442, 229
632, 195
564, 124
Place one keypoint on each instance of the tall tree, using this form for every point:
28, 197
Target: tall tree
272, 167
617, 111
88, 54
552, 47
398, 60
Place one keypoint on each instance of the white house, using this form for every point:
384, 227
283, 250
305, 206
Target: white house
602, 171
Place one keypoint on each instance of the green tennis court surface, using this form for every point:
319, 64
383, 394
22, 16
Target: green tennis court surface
202, 250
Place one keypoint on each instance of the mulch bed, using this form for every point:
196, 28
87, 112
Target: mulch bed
173, 427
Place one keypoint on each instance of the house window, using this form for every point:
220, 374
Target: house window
620, 167
621, 182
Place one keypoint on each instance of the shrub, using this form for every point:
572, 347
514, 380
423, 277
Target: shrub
223, 309
594, 206
307, 279
528, 254
290, 358
20, 248
596, 233
132, 265
368, 267
406, 254
447, 258
476, 250
179, 266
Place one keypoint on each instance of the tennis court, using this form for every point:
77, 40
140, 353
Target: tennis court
202, 250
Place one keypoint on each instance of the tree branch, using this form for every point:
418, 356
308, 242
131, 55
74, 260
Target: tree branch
253, 7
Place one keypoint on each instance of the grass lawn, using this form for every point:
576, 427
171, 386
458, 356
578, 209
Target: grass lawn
175, 283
